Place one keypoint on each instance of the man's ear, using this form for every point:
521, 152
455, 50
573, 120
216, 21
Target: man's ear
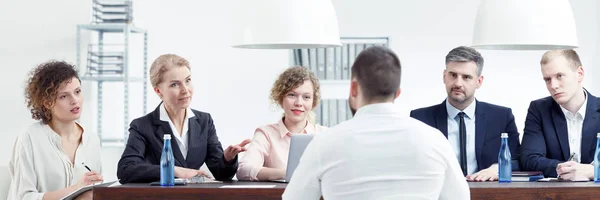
354, 88
397, 93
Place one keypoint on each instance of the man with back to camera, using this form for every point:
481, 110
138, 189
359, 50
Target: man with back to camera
472, 127
560, 130
380, 153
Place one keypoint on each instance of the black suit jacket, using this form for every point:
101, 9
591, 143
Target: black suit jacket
546, 137
490, 122
140, 162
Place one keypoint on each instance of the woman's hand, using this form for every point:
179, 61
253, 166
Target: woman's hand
89, 178
186, 173
233, 150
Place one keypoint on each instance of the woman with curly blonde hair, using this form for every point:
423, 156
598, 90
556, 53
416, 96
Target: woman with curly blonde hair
195, 141
47, 158
297, 92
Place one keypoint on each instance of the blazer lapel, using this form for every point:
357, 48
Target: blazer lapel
588, 134
480, 124
165, 128
560, 127
194, 143
441, 119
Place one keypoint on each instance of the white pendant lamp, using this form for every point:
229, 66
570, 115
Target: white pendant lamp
289, 24
525, 25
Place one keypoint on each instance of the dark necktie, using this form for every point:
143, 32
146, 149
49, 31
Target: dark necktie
462, 129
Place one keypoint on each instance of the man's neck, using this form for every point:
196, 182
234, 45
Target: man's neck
576, 102
461, 106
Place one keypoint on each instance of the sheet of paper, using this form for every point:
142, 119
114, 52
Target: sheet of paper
76, 193
560, 180
248, 186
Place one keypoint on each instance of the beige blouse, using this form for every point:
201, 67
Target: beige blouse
39, 165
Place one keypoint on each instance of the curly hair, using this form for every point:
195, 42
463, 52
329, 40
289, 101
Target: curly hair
292, 78
42, 87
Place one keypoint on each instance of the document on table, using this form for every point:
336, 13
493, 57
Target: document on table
248, 186
76, 193
560, 180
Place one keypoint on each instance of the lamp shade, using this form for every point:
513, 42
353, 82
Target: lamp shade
525, 25
289, 24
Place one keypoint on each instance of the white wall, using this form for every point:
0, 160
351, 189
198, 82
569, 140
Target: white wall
32, 32
421, 33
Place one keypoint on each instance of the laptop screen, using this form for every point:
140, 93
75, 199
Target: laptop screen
298, 143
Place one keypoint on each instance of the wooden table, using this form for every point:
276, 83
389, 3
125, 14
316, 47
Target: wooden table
535, 190
489, 190
205, 191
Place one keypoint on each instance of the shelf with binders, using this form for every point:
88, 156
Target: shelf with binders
333, 67
106, 65
113, 11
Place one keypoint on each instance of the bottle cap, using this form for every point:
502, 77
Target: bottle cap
504, 135
167, 136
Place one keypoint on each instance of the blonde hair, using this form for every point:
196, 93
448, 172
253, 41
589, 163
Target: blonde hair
292, 78
163, 64
569, 54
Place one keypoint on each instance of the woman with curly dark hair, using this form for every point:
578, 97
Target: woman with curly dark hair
297, 92
47, 160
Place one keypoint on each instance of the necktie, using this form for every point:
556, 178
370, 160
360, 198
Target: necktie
462, 129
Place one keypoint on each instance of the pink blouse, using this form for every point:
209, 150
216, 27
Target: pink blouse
269, 148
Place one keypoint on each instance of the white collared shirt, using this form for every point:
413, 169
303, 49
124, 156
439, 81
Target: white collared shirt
378, 154
575, 128
38, 163
182, 139
454, 134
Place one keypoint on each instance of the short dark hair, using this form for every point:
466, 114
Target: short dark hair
377, 70
42, 87
466, 54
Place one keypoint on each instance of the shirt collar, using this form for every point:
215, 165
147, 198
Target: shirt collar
581, 110
283, 131
376, 108
469, 110
56, 138
164, 116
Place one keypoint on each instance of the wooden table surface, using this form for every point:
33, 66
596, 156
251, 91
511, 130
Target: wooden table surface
479, 190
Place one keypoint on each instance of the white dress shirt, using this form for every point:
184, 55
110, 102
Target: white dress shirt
378, 154
182, 139
454, 133
575, 128
39, 165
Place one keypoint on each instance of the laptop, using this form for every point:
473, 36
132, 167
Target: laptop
297, 145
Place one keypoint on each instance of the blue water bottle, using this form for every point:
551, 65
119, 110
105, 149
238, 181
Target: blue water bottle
597, 160
504, 161
167, 163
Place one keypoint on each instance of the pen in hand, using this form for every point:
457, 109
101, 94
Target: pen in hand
88, 168
570, 159
91, 170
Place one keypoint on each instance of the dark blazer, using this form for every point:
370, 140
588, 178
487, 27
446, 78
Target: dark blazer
490, 122
546, 138
140, 162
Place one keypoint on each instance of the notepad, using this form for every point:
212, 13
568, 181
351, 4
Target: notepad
248, 186
521, 176
80, 191
560, 180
